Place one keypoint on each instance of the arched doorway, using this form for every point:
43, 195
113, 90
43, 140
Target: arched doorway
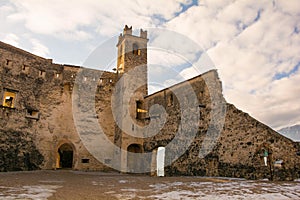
133, 164
65, 156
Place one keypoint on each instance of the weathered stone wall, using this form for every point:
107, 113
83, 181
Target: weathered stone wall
237, 150
241, 144
46, 88
23, 73
18, 151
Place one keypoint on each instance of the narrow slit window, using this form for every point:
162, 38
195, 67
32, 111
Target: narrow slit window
170, 100
8, 62
25, 69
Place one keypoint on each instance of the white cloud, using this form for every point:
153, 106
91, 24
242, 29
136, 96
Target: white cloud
12, 39
250, 42
106, 16
38, 48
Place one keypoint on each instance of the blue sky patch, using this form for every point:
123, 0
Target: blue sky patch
279, 76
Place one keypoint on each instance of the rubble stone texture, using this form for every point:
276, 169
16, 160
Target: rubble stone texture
39, 130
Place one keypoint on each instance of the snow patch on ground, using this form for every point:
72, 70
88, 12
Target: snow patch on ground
34, 192
217, 189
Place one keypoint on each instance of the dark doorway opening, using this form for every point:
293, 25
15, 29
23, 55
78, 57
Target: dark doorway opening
66, 156
133, 158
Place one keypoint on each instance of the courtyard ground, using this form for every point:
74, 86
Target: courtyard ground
68, 184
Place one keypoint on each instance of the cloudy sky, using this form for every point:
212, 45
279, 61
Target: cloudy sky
255, 45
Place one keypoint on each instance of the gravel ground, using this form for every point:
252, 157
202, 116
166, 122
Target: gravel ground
64, 184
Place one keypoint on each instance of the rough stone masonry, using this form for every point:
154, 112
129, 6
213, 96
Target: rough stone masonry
38, 129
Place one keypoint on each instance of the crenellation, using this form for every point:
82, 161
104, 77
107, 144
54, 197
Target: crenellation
143, 34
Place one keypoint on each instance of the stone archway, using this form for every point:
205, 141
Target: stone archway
65, 156
133, 166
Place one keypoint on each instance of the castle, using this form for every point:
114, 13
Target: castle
49, 111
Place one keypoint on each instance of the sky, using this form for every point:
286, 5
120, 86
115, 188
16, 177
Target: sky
254, 45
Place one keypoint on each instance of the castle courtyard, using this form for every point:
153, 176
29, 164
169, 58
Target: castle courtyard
69, 184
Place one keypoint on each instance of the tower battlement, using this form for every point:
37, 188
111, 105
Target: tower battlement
128, 31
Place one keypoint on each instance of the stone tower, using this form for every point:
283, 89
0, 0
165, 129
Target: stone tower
132, 53
131, 89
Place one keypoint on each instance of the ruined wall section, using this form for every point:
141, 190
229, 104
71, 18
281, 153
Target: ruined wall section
174, 124
24, 78
42, 115
241, 146
238, 149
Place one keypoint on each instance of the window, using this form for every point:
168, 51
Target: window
9, 98
57, 75
139, 111
85, 160
34, 114
8, 63
25, 69
42, 74
135, 49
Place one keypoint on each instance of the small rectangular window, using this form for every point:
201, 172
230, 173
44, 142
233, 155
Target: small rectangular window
140, 112
9, 98
25, 69
34, 114
8, 63
57, 75
85, 160
42, 74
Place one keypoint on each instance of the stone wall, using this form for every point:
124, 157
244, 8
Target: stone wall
43, 109
237, 151
18, 151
